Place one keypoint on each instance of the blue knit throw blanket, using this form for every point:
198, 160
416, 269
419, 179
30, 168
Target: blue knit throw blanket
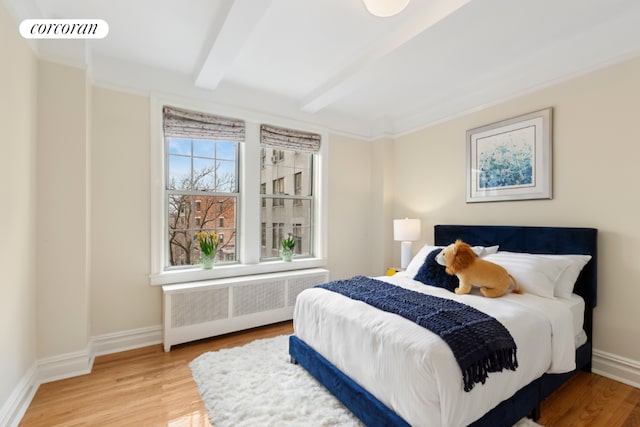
479, 342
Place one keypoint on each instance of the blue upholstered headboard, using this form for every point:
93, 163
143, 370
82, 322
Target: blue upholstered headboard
540, 240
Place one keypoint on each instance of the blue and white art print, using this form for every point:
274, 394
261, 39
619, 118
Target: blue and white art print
510, 160
507, 159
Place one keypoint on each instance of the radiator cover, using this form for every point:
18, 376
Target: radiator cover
197, 310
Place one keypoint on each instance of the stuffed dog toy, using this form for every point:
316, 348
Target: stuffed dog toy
460, 260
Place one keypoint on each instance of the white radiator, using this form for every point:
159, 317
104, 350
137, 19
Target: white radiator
197, 310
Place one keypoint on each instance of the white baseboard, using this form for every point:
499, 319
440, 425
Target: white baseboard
71, 365
617, 368
16, 405
81, 362
65, 366
127, 340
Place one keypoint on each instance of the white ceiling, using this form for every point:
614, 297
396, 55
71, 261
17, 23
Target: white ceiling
330, 63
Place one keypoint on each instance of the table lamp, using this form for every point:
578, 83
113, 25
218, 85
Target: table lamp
406, 231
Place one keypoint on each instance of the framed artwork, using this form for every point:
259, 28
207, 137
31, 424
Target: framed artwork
510, 159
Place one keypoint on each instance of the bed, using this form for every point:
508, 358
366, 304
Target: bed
361, 354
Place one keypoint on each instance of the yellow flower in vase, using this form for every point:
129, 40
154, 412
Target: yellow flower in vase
208, 248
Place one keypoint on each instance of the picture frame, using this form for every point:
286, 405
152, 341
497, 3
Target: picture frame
511, 159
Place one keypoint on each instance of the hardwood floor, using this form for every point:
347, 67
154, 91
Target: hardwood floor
592, 400
143, 387
148, 387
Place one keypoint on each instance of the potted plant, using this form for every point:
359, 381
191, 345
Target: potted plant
288, 245
208, 248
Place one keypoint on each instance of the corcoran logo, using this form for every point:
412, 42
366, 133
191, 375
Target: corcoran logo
64, 28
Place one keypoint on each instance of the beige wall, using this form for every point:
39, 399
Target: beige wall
350, 203
596, 147
121, 297
18, 213
382, 247
63, 216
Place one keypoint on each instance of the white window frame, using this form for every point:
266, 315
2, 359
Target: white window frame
248, 218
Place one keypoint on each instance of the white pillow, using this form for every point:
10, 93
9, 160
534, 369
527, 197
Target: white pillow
535, 274
543, 275
483, 251
418, 260
565, 284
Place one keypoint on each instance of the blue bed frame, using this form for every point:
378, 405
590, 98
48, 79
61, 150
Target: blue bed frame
526, 401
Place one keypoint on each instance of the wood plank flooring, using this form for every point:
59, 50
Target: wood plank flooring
148, 387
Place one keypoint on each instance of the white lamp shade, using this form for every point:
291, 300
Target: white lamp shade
406, 230
385, 8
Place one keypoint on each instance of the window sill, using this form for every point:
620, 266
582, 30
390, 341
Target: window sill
233, 270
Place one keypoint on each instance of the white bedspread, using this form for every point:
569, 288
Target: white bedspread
413, 371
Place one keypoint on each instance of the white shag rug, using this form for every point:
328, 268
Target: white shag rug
256, 385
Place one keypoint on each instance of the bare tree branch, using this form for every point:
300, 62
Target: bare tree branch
182, 208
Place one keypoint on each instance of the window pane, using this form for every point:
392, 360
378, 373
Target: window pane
283, 217
204, 148
203, 174
225, 176
302, 236
211, 168
179, 176
226, 150
302, 169
181, 224
291, 166
191, 214
182, 246
180, 146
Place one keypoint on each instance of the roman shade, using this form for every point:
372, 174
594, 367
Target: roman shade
289, 139
192, 124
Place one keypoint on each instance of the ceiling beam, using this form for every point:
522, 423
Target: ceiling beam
360, 70
235, 24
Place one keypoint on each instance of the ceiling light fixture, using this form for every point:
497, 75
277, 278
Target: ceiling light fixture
385, 8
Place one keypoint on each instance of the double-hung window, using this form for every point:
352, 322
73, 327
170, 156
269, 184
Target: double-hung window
251, 184
201, 183
287, 163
